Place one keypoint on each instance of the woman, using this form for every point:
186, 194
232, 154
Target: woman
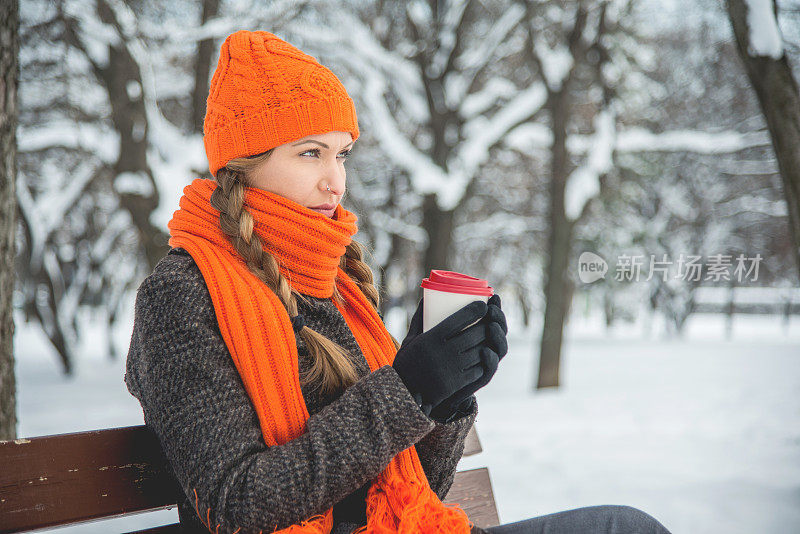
279, 398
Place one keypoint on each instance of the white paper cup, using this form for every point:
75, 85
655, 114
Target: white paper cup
446, 292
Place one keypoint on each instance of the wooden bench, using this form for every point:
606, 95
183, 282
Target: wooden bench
745, 300
87, 476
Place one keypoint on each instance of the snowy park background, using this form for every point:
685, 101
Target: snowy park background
640, 109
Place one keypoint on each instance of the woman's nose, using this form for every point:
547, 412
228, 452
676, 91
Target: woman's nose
333, 188
334, 179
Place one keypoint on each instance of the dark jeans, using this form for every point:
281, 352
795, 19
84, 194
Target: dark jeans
606, 519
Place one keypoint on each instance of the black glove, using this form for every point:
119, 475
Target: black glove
495, 348
435, 364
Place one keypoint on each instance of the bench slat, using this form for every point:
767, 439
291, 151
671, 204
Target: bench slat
472, 490
472, 445
62, 479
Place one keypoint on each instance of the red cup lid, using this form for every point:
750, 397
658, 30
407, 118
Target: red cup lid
453, 282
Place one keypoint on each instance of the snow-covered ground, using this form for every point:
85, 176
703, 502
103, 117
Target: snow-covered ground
701, 432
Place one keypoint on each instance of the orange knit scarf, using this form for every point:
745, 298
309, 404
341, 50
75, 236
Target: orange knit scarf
257, 331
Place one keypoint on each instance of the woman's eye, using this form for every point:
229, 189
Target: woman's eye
344, 154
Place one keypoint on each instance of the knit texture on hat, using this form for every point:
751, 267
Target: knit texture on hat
258, 333
264, 93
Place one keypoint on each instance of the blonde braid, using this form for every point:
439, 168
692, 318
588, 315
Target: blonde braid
356, 268
332, 370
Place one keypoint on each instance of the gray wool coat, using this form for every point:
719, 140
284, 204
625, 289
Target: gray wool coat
193, 398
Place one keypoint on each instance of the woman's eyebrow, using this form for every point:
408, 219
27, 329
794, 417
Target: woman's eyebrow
320, 143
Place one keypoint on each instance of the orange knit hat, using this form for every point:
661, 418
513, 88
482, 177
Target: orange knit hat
264, 93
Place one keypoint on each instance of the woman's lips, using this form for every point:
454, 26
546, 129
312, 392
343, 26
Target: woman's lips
327, 213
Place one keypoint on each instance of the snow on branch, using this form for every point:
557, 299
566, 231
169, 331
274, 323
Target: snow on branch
400, 227
88, 137
483, 133
252, 16
640, 140
764, 35
96, 36
471, 61
46, 213
531, 136
426, 177
584, 182
557, 62
478, 102
101, 247
447, 36
498, 226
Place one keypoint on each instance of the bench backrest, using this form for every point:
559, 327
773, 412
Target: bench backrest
67, 478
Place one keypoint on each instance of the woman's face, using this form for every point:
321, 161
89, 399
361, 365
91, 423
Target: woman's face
302, 170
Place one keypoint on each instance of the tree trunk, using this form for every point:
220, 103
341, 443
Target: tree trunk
393, 259
9, 75
439, 226
557, 283
524, 303
202, 67
122, 80
778, 96
130, 120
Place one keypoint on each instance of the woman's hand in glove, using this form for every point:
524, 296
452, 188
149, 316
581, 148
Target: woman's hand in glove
415, 326
435, 364
494, 350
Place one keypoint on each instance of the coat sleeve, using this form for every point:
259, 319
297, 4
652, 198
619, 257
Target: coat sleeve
193, 398
441, 449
